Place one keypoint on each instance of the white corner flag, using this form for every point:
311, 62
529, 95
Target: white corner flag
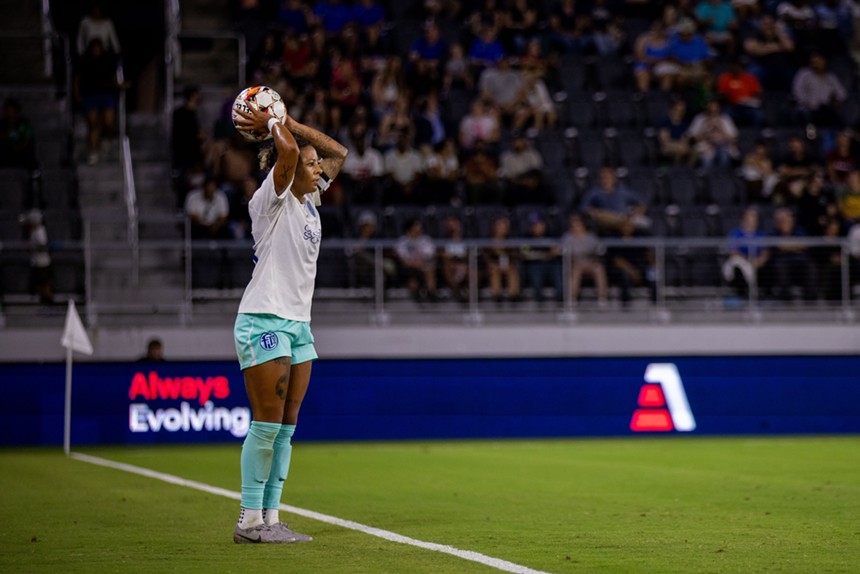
74, 338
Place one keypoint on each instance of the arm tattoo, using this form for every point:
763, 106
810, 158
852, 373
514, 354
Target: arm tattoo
326, 146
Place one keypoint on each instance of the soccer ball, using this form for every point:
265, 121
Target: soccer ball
262, 98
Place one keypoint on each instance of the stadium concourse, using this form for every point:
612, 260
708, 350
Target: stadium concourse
476, 129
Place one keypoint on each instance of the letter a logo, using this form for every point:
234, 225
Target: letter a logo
663, 402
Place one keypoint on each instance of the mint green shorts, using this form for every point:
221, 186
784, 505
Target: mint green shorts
261, 338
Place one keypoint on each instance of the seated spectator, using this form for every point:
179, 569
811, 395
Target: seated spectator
673, 137
403, 166
455, 259
772, 52
741, 92
522, 173
799, 18
502, 263
818, 93
841, 160
828, 261
816, 206
501, 85
541, 264
333, 15
848, 199
652, 59
538, 107
41, 277
416, 256
758, 173
188, 136
425, 59
458, 73
366, 13
293, 16
154, 352
614, 209
233, 161
17, 145
481, 176
485, 51
789, 264
568, 28
209, 210
480, 124
375, 49
835, 22
718, 22
387, 86
519, 26
742, 268
690, 51
96, 91
631, 266
794, 170
442, 173
362, 170
429, 127
715, 137
585, 253
394, 123
300, 64
361, 258
344, 90
608, 36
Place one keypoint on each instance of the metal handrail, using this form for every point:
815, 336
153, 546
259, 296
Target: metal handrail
129, 188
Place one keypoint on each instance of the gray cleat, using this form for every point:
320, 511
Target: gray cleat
263, 534
292, 535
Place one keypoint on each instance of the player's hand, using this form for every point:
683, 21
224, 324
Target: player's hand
255, 121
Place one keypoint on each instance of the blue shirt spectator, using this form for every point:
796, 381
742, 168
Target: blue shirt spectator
689, 48
368, 13
293, 16
486, 50
334, 15
717, 16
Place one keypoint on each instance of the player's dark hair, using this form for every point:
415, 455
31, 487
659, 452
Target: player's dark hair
268, 155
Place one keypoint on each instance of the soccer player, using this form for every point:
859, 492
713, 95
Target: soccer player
272, 332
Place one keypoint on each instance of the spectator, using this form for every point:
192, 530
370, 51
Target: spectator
188, 136
394, 123
481, 123
41, 280
362, 170
848, 199
154, 352
607, 30
366, 13
818, 93
502, 86
652, 59
799, 18
614, 209
344, 90
97, 26
522, 173
717, 19
95, 89
541, 264
585, 259
362, 259
481, 176
690, 51
442, 173
790, 264
17, 145
293, 16
631, 266
457, 71
387, 87
568, 28
455, 259
835, 23
208, 209
502, 263
841, 160
333, 15
375, 49
240, 217
794, 170
742, 269
519, 26
758, 173
487, 15
404, 168
232, 161
538, 106
715, 137
772, 51
816, 205
425, 59
742, 93
429, 127
416, 256
300, 64
673, 137
485, 51
828, 261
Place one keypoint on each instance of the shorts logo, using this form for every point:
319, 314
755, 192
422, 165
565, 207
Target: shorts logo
269, 341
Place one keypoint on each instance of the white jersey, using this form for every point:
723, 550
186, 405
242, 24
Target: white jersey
286, 246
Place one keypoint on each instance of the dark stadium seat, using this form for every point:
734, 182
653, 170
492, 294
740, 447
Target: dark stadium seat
723, 187
15, 276
332, 269
14, 187
207, 267
68, 271
239, 267
682, 187
580, 112
646, 186
484, 216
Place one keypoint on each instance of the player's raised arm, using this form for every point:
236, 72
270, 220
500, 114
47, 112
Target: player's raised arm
256, 121
332, 154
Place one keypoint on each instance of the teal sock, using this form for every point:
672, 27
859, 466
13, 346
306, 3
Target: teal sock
283, 449
257, 462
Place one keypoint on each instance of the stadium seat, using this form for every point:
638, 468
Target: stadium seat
332, 269
723, 187
15, 275
14, 186
580, 113
484, 216
682, 187
68, 270
207, 268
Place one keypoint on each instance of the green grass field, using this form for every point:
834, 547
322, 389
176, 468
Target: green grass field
646, 505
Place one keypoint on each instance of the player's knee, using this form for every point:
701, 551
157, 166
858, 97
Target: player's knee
291, 411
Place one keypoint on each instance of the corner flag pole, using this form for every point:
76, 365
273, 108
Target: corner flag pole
74, 338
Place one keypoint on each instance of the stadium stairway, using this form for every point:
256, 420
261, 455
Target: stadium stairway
207, 60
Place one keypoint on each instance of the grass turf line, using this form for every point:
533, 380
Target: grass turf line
652, 505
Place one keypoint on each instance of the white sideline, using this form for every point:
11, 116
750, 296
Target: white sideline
496, 563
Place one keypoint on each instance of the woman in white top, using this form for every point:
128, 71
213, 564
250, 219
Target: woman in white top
273, 337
